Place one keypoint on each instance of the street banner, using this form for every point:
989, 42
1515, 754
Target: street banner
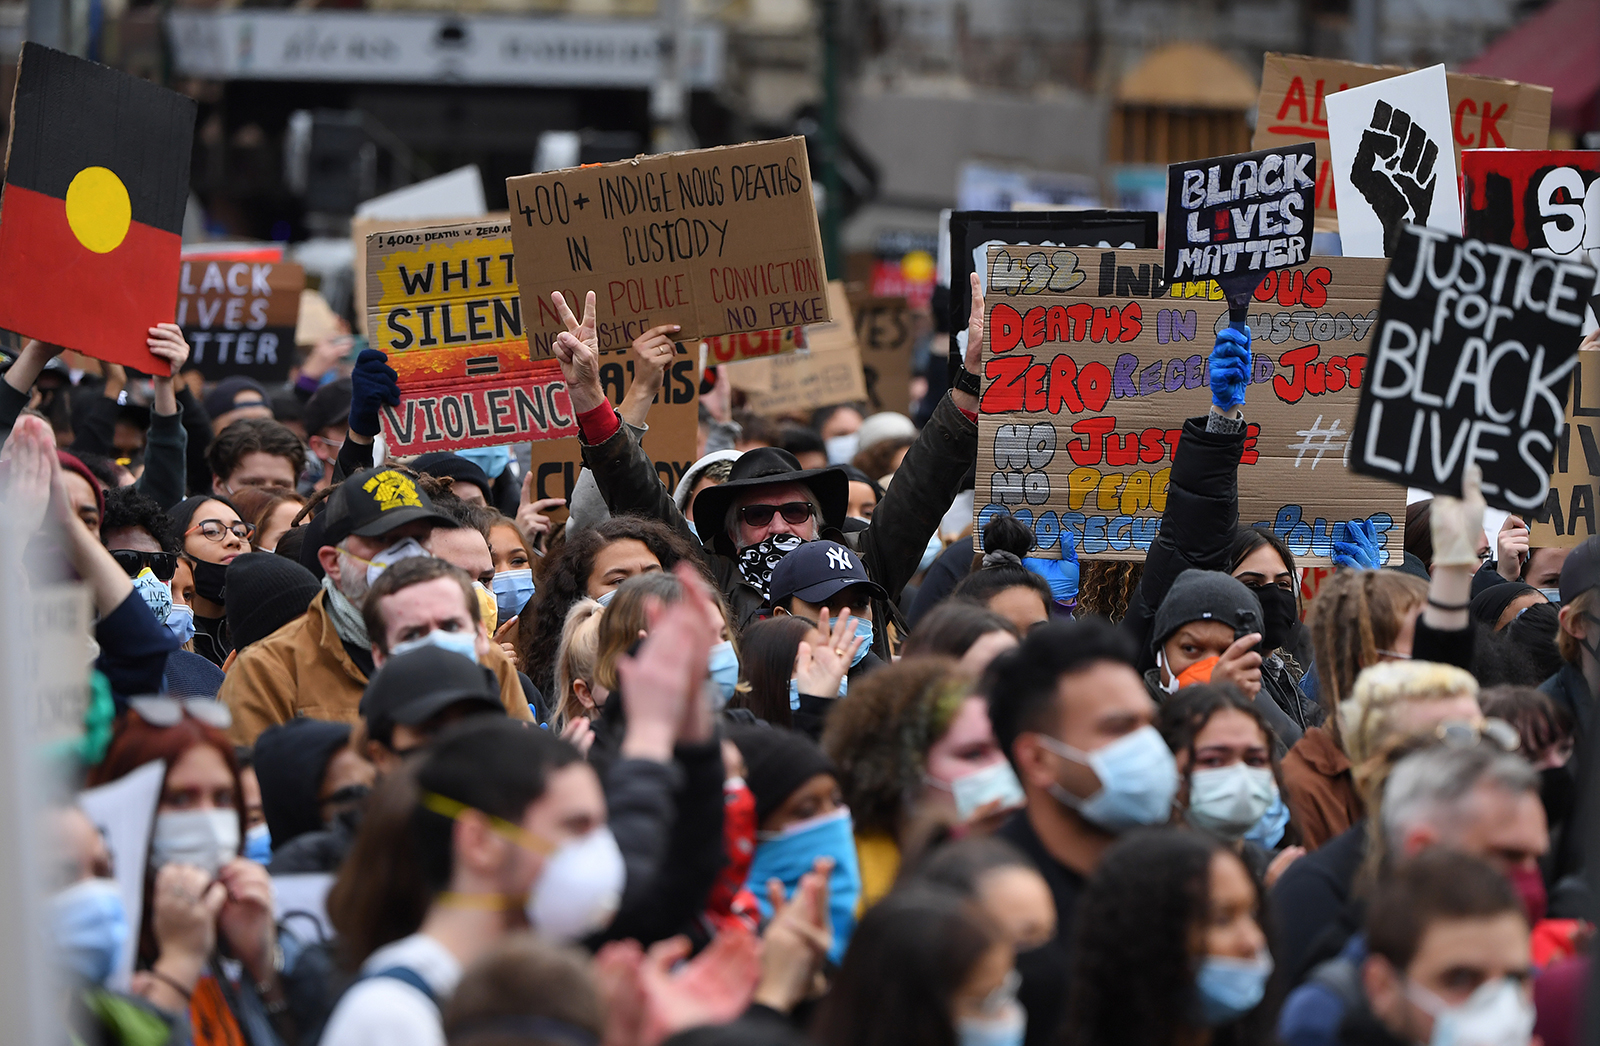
442, 303
1391, 161
1085, 393
1485, 113
1471, 361
718, 241
238, 315
91, 221
884, 334
1235, 218
1568, 516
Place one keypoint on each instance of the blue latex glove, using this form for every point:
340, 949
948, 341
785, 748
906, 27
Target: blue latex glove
1361, 547
1062, 574
372, 384
1230, 367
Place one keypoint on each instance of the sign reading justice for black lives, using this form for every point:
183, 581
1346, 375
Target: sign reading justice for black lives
1471, 362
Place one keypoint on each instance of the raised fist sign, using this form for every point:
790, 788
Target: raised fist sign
1394, 170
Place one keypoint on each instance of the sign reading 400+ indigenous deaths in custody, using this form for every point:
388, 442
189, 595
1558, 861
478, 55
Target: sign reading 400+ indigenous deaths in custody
1086, 389
1473, 357
442, 302
717, 241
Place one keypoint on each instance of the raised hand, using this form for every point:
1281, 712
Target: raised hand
245, 919
1229, 368
577, 349
166, 341
668, 673
27, 492
532, 518
1457, 523
506, 637
712, 988
797, 939
1240, 665
1394, 170
819, 666
973, 359
373, 383
1511, 547
1360, 548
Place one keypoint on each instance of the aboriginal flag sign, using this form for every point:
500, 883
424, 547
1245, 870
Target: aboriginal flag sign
97, 176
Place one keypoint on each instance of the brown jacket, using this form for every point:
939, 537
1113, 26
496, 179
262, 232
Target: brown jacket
302, 669
1322, 796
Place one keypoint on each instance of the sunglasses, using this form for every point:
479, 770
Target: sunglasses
1460, 734
169, 711
215, 529
794, 513
162, 564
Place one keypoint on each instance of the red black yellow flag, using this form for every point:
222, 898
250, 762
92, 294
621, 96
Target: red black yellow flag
91, 220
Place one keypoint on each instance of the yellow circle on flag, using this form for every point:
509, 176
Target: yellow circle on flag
917, 265
98, 209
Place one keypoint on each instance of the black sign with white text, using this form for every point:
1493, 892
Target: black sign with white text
1471, 362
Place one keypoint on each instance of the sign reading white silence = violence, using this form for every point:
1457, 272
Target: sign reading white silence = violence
1472, 360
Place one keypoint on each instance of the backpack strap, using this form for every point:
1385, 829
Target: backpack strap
405, 975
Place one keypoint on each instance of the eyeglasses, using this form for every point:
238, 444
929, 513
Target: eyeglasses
1461, 734
169, 711
216, 530
794, 513
162, 564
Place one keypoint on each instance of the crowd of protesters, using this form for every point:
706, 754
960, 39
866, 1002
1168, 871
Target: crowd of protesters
786, 754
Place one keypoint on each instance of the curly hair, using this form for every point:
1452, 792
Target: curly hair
1133, 976
1356, 614
1107, 588
565, 580
128, 509
880, 737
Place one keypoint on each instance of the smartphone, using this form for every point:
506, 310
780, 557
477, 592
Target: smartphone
1249, 621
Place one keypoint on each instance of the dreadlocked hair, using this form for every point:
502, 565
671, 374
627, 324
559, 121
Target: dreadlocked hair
1107, 588
1356, 614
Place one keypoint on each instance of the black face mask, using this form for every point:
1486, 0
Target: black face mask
210, 581
1559, 794
1279, 612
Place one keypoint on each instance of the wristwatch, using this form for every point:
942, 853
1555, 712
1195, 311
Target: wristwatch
967, 381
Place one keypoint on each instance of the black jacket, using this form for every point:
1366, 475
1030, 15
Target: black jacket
1313, 914
891, 547
1046, 971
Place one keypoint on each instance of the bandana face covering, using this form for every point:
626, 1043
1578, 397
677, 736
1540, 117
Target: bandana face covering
756, 562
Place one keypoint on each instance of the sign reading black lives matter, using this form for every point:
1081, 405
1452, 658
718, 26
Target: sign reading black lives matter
1472, 359
1236, 218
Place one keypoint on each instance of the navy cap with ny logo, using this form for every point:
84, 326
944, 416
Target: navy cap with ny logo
816, 571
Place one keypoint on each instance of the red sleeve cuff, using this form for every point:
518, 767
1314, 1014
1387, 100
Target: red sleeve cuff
599, 424
971, 415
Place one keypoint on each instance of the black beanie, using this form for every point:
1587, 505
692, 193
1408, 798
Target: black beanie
1204, 595
1488, 604
777, 762
265, 592
290, 760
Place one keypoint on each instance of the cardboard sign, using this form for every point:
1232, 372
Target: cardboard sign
1543, 201
1473, 355
91, 222
671, 441
1235, 218
1568, 516
239, 315
1085, 393
442, 302
828, 372
1391, 161
884, 336
1485, 112
125, 810
718, 241
731, 348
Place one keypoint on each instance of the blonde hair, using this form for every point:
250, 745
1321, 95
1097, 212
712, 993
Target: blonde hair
1364, 720
575, 659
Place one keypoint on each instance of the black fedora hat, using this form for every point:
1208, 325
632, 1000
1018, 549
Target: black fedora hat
762, 467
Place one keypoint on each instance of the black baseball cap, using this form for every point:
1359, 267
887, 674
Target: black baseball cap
1581, 571
818, 570
415, 686
375, 501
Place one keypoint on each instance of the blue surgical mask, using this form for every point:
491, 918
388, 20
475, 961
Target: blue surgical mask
463, 643
493, 460
1138, 779
789, 855
931, 553
180, 622
1552, 594
864, 631
692, 529
157, 594
258, 844
840, 449
1268, 831
606, 597
723, 667
512, 590
794, 691
405, 548
1229, 988
89, 926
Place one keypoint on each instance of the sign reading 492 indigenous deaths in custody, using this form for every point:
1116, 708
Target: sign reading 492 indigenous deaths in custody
442, 303
718, 241
1471, 362
1085, 393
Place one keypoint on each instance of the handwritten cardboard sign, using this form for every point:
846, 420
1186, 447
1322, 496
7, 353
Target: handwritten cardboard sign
1235, 218
827, 372
1568, 516
731, 348
1471, 362
1544, 201
238, 315
718, 241
884, 334
1484, 112
442, 302
1391, 161
1085, 393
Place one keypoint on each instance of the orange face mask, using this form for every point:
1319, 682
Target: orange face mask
1199, 672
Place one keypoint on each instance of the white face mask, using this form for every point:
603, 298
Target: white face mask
580, 888
980, 787
405, 548
1499, 1013
207, 839
1227, 801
